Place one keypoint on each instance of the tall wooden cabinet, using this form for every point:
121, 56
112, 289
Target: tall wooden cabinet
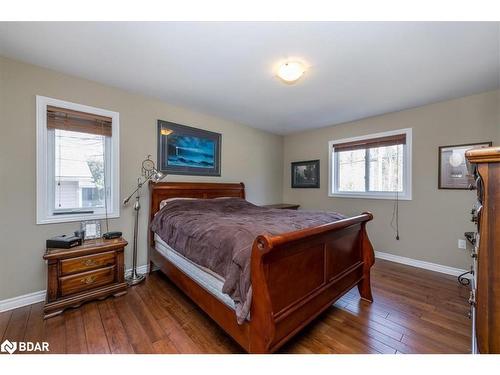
485, 292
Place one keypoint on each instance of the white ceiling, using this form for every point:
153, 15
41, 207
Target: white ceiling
356, 70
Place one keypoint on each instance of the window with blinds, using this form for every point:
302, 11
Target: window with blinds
79, 159
372, 166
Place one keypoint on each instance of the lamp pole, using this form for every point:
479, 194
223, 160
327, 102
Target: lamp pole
149, 172
134, 277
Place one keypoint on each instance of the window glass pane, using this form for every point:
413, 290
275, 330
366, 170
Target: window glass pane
386, 168
79, 170
351, 174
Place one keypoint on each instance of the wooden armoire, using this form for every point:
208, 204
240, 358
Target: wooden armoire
485, 291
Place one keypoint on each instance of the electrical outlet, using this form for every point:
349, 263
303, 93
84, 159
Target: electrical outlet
462, 244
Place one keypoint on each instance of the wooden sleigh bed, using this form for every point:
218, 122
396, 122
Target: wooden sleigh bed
295, 276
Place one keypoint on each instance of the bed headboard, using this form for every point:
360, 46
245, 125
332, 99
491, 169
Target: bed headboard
164, 190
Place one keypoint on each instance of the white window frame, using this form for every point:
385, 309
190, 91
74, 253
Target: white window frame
407, 169
44, 210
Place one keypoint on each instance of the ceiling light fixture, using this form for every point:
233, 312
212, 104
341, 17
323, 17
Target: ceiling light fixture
291, 71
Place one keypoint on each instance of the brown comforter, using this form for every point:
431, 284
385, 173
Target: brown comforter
218, 234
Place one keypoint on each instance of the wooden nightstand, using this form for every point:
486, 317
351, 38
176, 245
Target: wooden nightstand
283, 206
94, 270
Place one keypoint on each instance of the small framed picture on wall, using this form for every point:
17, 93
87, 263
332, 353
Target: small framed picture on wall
453, 172
305, 174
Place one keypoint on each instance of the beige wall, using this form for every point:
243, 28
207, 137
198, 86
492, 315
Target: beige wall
252, 156
432, 222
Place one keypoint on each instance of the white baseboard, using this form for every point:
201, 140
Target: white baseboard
35, 297
140, 269
20, 301
420, 264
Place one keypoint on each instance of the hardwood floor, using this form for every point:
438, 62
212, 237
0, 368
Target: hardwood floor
415, 311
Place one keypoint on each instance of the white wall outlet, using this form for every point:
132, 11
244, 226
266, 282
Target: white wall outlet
462, 244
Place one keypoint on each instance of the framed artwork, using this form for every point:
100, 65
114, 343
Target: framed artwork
305, 174
188, 151
453, 172
91, 229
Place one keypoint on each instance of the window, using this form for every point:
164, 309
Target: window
77, 162
374, 166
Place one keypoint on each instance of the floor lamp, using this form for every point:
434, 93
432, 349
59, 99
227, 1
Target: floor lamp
148, 173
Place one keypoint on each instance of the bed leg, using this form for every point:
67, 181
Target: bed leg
364, 287
150, 268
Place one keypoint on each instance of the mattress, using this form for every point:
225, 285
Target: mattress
207, 279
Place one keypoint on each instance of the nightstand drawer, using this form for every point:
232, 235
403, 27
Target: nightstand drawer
87, 263
86, 280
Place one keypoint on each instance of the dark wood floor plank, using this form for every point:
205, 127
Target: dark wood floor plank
406, 325
339, 341
146, 319
209, 339
169, 296
181, 339
365, 321
415, 311
165, 346
136, 334
426, 345
75, 331
55, 334
115, 332
4, 322
453, 323
155, 305
16, 327
364, 309
362, 335
422, 330
97, 341
35, 328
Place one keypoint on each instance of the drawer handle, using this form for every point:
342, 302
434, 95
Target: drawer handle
88, 280
89, 262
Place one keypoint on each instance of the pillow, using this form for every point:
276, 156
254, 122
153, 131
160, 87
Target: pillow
165, 201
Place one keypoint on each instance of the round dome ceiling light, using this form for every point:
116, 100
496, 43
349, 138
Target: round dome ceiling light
291, 71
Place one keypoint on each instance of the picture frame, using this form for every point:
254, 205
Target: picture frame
305, 174
453, 172
184, 150
91, 229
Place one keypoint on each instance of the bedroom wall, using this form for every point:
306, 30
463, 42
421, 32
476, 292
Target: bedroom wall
249, 155
434, 220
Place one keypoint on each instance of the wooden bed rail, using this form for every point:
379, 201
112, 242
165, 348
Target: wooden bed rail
273, 241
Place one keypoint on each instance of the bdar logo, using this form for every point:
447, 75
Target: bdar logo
8, 347
24, 346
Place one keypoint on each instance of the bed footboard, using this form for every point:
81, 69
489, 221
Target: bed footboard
298, 275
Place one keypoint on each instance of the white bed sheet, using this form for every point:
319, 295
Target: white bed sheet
207, 279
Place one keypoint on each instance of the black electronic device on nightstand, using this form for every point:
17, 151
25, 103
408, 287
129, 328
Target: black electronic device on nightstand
64, 242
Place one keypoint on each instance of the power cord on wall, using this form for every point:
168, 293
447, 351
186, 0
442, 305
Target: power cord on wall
395, 216
395, 210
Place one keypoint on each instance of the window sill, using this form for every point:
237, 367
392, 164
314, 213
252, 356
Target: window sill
370, 196
74, 217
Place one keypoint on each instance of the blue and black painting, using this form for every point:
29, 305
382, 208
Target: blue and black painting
188, 151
